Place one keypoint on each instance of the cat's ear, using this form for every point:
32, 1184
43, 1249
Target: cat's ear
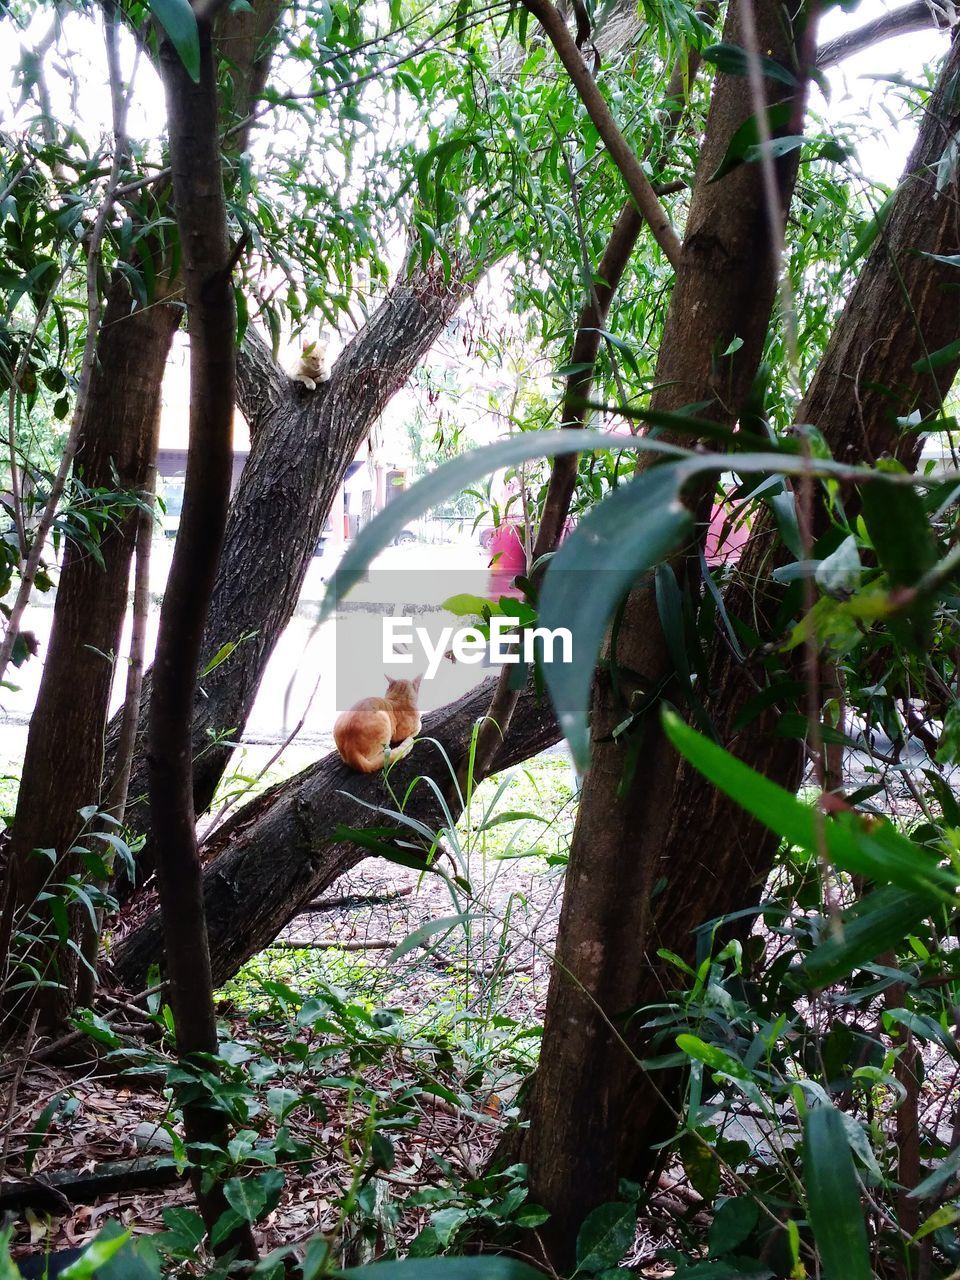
416, 681
309, 348
390, 681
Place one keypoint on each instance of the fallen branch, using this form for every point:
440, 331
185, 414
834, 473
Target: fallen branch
338, 944
350, 900
85, 1186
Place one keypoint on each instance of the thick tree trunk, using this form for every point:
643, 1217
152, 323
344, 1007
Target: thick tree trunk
725, 288
667, 867
278, 852
302, 443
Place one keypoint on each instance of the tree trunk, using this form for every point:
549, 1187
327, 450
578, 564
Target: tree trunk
208, 264
64, 767
278, 852
669, 866
725, 288
63, 764
301, 445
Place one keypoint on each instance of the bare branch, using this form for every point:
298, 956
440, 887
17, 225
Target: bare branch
913, 17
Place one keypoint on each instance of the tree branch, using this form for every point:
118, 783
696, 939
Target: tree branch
286, 838
620, 150
586, 348
914, 17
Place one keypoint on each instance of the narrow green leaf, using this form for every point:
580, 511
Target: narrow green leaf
179, 22
869, 231
732, 60
877, 922
874, 849
417, 938
833, 1198
937, 359
631, 531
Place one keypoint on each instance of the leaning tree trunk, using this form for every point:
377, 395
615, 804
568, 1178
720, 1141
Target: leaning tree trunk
302, 443
594, 1116
64, 766
279, 851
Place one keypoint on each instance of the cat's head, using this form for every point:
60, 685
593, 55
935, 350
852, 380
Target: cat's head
404, 692
313, 356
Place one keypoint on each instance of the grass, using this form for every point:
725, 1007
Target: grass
476, 983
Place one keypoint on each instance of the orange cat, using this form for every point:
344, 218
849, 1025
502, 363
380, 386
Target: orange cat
364, 731
312, 366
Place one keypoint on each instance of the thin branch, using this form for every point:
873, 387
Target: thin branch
586, 348
914, 17
621, 153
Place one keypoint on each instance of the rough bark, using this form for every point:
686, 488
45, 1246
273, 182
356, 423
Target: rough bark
703, 857
278, 852
579, 1139
302, 443
64, 764
208, 262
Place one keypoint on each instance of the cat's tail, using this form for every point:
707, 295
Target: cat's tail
392, 754
382, 758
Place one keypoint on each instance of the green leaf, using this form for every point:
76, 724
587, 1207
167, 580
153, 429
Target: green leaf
875, 924
701, 1165
35, 1137
869, 231
446, 1222
465, 605
945, 1216
732, 1224
113, 1256
943, 1173
711, 1056
458, 474
899, 530
419, 936
839, 574
606, 1235
631, 531
179, 22
874, 849
732, 60
246, 1197
833, 1198
947, 355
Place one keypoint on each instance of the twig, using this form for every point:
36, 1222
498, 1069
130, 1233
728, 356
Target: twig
14, 1090
621, 153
